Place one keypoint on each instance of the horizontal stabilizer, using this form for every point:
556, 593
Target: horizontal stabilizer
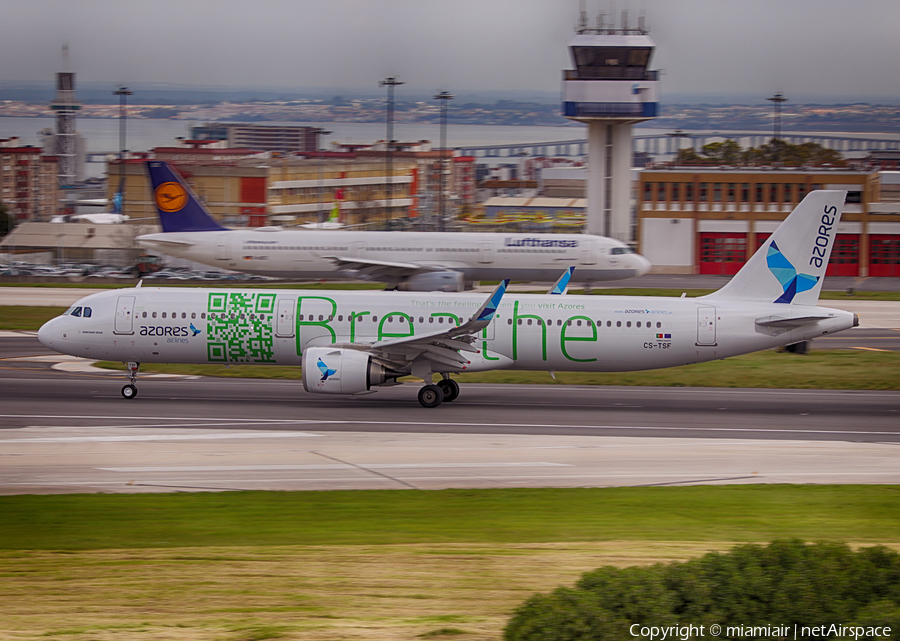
160, 239
789, 322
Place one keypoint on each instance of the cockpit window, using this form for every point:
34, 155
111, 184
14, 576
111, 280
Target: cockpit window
622, 250
87, 312
76, 312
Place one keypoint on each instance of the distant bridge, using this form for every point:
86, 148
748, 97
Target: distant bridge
670, 143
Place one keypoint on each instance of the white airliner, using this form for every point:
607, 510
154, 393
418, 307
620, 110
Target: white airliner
410, 261
349, 342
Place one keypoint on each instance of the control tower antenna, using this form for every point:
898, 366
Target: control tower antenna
582, 18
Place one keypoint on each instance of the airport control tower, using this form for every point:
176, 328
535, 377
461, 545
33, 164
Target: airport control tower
609, 90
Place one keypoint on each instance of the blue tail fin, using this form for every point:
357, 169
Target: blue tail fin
178, 206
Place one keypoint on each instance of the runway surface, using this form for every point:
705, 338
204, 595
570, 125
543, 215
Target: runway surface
67, 429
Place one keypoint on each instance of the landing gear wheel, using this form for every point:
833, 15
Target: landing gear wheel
431, 396
129, 391
450, 388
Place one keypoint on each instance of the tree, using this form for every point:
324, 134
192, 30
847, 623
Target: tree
7, 221
784, 583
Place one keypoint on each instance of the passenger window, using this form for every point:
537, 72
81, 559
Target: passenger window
193, 315
340, 318
163, 314
618, 323
639, 323
153, 314
628, 324
658, 325
145, 314
202, 314
183, 315
609, 323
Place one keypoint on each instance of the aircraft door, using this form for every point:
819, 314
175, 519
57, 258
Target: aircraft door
124, 315
284, 317
485, 252
706, 326
588, 252
223, 252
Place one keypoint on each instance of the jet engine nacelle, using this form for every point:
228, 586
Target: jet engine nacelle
444, 281
329, 370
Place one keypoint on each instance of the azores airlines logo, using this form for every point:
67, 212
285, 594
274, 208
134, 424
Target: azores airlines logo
194, 329
792, 282
325, 371
170, 197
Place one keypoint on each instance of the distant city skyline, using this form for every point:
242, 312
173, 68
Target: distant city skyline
708, 50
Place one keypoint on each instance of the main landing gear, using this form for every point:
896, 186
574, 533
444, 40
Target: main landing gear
130, 391
433, 395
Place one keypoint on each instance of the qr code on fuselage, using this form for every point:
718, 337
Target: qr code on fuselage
239, 327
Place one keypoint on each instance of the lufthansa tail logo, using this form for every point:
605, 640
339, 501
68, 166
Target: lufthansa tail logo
171, 197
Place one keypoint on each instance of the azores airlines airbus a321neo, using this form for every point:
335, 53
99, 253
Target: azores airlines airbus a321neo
350, 342
410, 261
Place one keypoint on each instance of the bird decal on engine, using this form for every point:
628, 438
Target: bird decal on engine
325, 371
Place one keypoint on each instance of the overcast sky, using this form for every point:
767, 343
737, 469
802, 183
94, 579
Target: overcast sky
843, 50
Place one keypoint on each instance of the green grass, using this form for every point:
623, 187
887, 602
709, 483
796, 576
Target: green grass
833, 369
27, 317
503, 516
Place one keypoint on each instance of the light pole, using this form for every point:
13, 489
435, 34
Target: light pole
390, 83
778, 98
444, 97
119, 198
320, 215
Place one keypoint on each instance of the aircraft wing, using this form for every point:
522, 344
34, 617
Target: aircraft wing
381, 269
443, 348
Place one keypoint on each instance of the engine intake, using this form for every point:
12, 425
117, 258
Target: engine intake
444, 281
329, 370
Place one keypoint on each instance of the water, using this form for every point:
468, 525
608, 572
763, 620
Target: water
102, 135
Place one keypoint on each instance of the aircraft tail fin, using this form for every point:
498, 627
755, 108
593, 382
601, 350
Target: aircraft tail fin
119, 197
790, 266
178, 206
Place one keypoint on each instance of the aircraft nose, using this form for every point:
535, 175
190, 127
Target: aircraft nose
642, 265
45, 334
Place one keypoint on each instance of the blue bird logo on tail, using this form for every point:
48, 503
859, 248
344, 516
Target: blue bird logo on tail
325, 371
792, 282
194, 329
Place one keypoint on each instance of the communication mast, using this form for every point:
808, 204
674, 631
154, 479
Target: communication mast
66, 138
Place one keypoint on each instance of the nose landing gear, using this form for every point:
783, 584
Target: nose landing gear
130, 391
